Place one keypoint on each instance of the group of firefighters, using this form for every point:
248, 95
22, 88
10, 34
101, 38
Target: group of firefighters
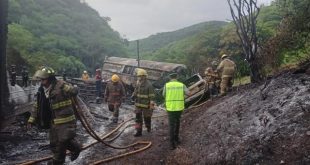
24, 74
54, 107
221, 77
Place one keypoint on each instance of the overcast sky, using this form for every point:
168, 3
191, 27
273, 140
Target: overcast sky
136, 19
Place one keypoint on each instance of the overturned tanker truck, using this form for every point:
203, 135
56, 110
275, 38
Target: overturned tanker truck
158, 72
158, 75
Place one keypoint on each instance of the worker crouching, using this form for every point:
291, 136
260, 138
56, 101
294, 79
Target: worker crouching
53, 110
212, 79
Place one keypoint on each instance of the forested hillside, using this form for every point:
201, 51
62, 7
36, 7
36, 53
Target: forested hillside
199, 45
159, 40
199, 41
69, 35
277, 25
64, 34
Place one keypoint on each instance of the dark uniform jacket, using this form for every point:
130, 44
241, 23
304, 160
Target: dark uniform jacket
144, 94
59, 103
114, 93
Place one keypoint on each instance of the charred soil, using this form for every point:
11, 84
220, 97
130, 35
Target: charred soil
255, 124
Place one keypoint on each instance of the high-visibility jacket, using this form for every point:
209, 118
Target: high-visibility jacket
174, 96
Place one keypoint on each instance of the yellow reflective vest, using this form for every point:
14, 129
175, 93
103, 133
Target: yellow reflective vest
174, 96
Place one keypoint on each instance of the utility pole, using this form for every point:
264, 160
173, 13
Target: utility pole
4, 91
138, 54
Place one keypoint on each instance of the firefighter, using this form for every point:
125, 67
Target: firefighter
144, 102
25, 76
98, 79
13, 75
227, 69
85, 76
211, 78
174, 93
64, 75
114, 95
53, 110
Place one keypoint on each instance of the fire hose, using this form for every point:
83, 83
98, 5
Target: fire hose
95, 136
78, 110
81, 116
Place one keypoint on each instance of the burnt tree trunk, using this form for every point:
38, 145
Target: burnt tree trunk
244, 14
4, 91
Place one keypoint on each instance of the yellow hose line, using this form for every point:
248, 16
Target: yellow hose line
37, 161
148, 145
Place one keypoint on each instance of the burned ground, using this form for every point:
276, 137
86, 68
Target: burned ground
255, 124
258, 124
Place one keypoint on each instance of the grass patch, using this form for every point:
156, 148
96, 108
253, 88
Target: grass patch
242, 81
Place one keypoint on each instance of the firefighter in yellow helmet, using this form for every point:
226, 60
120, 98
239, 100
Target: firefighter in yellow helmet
114, 95
53, 110
227, 69
211, 77
144, 102
85, 76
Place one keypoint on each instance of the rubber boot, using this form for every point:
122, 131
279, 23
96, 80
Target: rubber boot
172, 146
74, 155
75, 149
54, 162
177, 140
148, 123
115, 120
149, 129
138, 133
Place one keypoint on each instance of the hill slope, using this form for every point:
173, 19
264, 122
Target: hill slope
160, 40
44, 31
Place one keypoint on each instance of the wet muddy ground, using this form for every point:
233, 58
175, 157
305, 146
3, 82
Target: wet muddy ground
255, 124
19, 144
